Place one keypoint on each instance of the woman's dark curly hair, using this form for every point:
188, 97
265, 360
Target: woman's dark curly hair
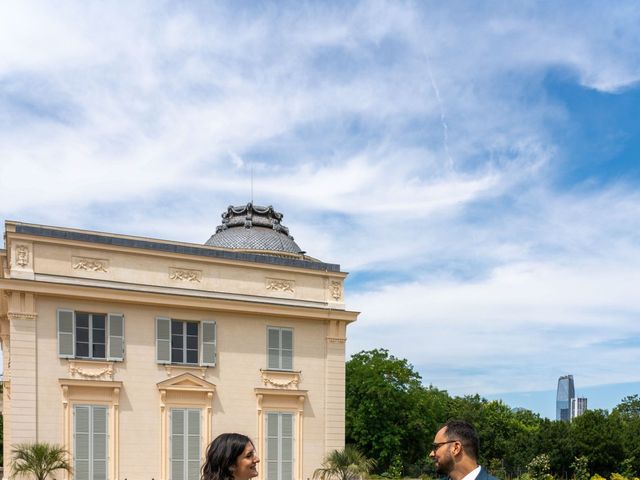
222, 455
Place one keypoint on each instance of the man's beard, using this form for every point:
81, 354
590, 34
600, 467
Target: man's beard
444, 465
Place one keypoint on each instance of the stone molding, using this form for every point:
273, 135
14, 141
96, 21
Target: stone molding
280, 285
90, 264
185, 274
280, 379
22, 316
91, 369
335, 290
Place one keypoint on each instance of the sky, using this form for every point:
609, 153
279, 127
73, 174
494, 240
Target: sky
474, 166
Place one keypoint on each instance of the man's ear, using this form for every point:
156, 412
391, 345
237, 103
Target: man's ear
457, 448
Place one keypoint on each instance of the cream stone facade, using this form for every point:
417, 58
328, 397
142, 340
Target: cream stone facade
135, 353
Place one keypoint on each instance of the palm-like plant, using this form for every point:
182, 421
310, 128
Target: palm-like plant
346, 464
38, 459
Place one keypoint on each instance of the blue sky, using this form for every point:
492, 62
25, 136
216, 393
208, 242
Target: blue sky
475, 166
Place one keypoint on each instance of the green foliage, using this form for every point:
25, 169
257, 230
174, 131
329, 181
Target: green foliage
346, 464
39, 459
539, 468
580, 468
392, 417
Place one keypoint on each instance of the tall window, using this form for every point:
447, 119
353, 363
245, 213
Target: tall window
91, 338
280, 444
185, 444
184, 342
97, 336
90, 442
279, 348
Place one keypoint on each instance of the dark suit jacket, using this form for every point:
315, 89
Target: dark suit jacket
484, 475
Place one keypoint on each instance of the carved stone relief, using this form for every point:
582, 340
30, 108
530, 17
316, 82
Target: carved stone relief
22, 255
281, 380
335, 290
93, 370
90, 264
185, 275
280, 285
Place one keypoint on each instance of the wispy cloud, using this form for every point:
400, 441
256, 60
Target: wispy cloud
415, 143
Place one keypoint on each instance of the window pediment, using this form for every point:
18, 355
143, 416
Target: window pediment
186, 382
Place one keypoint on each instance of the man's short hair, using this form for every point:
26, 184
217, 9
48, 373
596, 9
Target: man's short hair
465, 434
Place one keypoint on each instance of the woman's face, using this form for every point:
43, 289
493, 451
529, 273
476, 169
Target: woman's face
246, 464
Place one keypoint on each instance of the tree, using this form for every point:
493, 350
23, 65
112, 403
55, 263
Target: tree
39, 459
385, 411
597, 436
346, 464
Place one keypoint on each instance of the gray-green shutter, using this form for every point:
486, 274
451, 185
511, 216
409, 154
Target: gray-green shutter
163, 340
66, 341
272, 446
81, 442
287, 348
193, 444
208, 346
273, 348
116, 336
99, 443
177, 443
286, 437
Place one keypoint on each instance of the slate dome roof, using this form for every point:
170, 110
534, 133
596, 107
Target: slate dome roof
254, 228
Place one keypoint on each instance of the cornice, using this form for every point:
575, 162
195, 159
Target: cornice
184, 300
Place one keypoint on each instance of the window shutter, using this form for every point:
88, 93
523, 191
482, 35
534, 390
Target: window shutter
273, 348
208, 346
272, 446
287, 349
163, 340
286, 470
193, 444
116, 336
81, 441
177, 443
100, 443
66, 321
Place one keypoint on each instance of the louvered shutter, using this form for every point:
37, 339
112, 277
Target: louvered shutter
193, 444
177, 444
66, 340
208, 346
273, 348
82, 439
163, 340
272, 446
286, 441
116, 336
99, 443
287, 349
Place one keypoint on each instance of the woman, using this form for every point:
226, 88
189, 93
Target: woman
231, 456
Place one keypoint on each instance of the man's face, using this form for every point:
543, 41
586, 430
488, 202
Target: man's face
441, 453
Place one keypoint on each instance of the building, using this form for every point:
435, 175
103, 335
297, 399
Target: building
134, 353
566, 392
578, 406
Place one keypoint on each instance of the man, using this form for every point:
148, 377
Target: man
455, 452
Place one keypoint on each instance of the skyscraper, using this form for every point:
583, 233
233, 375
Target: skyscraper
578, 406
566, 393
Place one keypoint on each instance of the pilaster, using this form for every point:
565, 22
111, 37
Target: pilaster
335, 385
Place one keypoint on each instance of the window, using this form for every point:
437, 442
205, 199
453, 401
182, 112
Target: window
280, 348
280, 444
90, 335
185, 444
185, 342
90, 442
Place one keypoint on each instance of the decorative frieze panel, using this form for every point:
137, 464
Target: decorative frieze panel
91, 370
90, 264
185, 275
335, 290
280, 285
22, 255
279, 379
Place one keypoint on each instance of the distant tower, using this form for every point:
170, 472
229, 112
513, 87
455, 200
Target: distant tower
578, 406
566, 393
